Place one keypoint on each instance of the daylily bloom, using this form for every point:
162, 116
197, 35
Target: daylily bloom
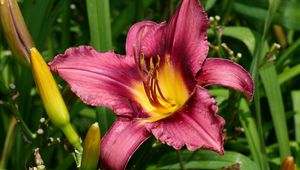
158, 87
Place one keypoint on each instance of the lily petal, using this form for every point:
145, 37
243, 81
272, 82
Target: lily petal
120, 142
196, 126
145, 38
216, 71
99, 79
186, 38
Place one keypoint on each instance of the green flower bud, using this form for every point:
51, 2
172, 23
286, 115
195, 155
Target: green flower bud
91, 148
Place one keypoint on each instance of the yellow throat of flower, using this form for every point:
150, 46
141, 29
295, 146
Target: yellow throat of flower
163, 91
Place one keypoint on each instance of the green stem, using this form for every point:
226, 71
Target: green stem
100, 25
181, 163
20, 120
74, 140
9, 142
65, 40
287, 53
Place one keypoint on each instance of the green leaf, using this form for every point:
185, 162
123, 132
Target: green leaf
286, 54
243, 34
296, 108
272, 88
289, 73
287, 14
252, 134
205, 159
209, 4
99, 22
259, 51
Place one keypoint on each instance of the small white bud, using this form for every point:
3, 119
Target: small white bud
12, 86
42, 120
40, 131
72, 6
51, 139
277, 45
239, 55
217, 17
58, 140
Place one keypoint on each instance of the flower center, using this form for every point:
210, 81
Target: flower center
162, 91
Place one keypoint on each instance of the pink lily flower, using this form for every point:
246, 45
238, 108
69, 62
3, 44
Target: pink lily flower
158, 88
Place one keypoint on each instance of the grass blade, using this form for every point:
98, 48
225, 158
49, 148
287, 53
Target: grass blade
296, 108
288, 74
99, 22
252, 134
272, 88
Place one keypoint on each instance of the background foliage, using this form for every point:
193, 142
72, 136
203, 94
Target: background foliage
259, 135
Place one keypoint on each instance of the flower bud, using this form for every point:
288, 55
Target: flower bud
91, 148
51, 97
288, 164
15, 30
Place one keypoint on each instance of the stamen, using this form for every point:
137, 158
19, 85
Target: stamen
151, 83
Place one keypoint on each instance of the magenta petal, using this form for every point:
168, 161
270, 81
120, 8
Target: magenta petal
186, 38
145, 38
99, 79
120, 142
216, 71
197, 126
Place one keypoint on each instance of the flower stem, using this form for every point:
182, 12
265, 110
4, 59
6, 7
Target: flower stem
181, 163
9, 141
20, 121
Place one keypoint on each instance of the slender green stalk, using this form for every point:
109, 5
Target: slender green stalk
296, 108
288, 52
251, 132
181, 163
65, 39
9, 142
99, 22
272, 88
20, 121
273, 5
101, 39
105, 117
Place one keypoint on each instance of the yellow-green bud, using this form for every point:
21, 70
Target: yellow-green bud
15, 30
52, 100
91, 148
50, 95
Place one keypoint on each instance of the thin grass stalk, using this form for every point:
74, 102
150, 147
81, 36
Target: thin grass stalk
272, 88
99, 23
9, 141
101, 39
273, 5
